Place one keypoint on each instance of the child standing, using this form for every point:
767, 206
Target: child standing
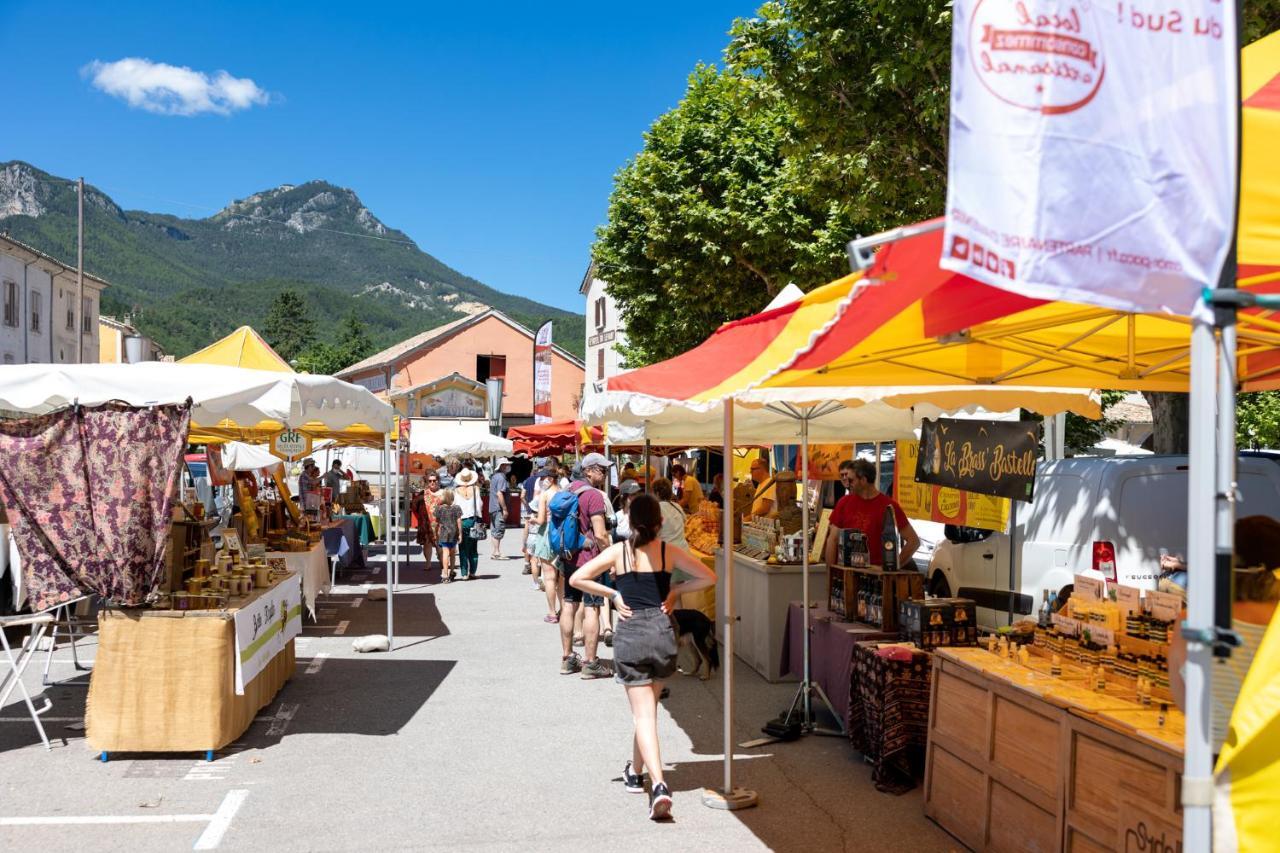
448, 517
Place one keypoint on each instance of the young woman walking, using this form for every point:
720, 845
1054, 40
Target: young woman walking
644, 649
448, 530
544, 558
467, 498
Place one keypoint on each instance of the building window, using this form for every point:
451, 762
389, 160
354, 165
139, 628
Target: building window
413, 407
71, 319
36, 299
602, 317
86, 316
491, 367
11, 303
600, 363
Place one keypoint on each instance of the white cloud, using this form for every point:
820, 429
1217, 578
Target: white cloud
171, 90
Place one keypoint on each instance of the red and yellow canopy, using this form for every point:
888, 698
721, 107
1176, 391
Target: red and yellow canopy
555, 437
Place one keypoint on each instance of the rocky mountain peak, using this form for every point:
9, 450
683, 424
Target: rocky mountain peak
302, 208
27, 191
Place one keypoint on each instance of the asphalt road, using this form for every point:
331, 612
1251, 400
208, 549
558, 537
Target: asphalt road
464, 737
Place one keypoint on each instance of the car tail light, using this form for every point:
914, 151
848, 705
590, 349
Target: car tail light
1104, 560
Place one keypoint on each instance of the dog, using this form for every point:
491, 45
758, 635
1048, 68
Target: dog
697, 633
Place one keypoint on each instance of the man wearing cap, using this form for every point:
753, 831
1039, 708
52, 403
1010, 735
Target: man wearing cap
498, 504
593, 514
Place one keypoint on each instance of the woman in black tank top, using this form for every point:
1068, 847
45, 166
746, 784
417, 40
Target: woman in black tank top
644, 644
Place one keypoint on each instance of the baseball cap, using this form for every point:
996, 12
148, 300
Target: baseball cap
594, 459
629, 487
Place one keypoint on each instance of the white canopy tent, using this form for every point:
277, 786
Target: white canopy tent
801, 415
218, 393
225, 399
456, 437
238, 456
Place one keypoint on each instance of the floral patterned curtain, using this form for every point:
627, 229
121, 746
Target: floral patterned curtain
89, 494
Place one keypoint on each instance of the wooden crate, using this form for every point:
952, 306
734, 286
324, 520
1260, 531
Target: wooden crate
893, 587
1120, 790
995, 768
841, 592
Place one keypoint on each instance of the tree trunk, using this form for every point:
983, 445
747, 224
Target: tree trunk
1171, 418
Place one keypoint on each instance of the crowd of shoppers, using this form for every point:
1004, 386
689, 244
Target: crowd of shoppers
594, 559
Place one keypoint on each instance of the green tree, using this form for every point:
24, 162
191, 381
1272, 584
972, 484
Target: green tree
712, 219
1258, 419
869, 84
321, 358
289, 327
353, 340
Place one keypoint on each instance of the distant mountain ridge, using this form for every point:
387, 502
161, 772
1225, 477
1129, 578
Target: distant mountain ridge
186, 282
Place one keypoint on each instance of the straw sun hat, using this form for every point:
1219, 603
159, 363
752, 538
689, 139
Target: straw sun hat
466, 477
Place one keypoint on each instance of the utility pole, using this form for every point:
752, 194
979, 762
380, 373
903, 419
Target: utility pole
79, 312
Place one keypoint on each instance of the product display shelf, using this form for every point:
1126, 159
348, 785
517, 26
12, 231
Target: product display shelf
1020, 759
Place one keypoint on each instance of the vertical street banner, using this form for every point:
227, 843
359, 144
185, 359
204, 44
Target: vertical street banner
1093, 149
542, 374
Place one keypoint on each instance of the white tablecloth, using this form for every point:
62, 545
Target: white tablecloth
313, 566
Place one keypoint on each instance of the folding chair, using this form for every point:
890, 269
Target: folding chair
39, 623
64, 617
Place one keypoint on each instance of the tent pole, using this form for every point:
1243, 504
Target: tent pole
1197, 778
729, 797
386, 534
647, 478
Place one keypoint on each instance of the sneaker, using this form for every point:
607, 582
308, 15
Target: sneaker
596, 669
554, 620
570, 665
632, 782
578, 640
528, 569
660, 802
607, 636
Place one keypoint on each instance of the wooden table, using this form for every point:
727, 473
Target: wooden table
1021, 760
165, 680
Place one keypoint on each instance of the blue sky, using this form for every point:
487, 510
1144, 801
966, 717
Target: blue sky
488, 132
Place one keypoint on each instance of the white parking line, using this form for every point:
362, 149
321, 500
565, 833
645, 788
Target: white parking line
221, 820
356, 602
342, 627
82, 820
317, 662
280, 722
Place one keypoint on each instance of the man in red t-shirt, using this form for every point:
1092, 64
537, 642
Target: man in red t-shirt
863, 509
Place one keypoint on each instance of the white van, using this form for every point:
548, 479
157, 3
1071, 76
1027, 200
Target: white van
1106, 517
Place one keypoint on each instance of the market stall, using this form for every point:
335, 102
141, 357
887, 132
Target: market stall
164, 643
555, 438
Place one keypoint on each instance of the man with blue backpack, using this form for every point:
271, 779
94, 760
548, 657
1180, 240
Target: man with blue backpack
579, 530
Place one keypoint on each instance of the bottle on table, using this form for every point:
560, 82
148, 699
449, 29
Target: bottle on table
889, 541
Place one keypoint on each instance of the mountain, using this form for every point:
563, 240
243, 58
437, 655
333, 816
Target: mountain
186, 282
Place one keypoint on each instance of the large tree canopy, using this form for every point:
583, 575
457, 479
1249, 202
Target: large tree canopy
712, 218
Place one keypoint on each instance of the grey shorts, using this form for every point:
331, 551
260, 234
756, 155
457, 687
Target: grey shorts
644, 648
497, 525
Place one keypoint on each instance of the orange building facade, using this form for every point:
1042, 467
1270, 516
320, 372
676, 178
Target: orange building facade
442, 372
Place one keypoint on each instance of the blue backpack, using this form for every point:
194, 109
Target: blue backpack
564, 530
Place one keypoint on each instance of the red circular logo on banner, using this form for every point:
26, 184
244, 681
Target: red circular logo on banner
1037, 54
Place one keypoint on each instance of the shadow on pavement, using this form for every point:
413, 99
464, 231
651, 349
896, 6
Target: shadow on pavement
371, 695
416, 615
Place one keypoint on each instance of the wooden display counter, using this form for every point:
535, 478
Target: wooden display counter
1021, 760
761, 595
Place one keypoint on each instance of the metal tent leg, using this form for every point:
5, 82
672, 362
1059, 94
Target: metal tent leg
727, 797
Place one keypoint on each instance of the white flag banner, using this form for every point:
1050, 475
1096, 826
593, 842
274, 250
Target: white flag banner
1093, 149
542, 349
